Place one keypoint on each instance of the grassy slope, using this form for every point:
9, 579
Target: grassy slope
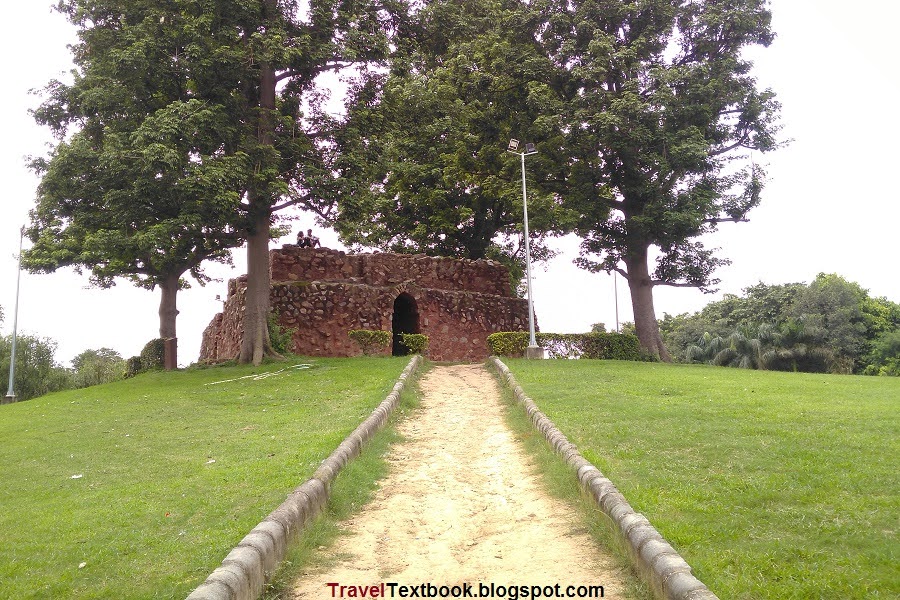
152, 514
772, 485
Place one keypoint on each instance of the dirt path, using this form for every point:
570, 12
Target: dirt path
461, 505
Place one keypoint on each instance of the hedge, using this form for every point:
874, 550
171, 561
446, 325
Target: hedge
153, 355
416, 342
370, 340
608, 346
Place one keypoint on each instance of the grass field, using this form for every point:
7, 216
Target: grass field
771, 485
138, 489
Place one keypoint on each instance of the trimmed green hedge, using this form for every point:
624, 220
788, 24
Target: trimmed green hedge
133, 367
609, 346
153, 355
370, 340
416, 342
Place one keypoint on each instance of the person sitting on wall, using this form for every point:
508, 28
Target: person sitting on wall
312, 241
302, 240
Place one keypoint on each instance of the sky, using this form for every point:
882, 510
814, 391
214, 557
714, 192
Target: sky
831, 204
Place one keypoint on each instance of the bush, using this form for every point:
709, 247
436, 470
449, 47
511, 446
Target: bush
416, 342
133, 366
613, 346
93, 367
153, 356
595, 345
370, 340
281, 338
37, 372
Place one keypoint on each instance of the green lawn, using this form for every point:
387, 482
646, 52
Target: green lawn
771, 485
138, 489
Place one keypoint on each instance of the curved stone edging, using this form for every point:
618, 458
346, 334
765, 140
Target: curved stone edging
252, 562
657, 561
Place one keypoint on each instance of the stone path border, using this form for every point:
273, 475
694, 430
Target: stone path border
252, 562
657, 561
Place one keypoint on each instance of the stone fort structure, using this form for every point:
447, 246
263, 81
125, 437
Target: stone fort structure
322, 294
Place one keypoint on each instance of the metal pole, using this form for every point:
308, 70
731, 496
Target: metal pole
532, 342
616, 292
11, 393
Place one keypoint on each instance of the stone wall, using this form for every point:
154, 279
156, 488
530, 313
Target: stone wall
322, 294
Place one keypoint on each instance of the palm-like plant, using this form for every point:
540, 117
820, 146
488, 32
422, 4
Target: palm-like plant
793, 347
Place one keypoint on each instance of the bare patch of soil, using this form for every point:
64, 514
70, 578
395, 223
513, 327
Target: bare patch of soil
462, 505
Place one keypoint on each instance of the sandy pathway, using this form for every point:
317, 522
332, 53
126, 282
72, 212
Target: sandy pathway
461, 505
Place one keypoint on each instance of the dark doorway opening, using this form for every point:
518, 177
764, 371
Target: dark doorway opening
404, 320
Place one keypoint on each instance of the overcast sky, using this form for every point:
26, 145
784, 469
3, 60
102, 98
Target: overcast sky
831, 204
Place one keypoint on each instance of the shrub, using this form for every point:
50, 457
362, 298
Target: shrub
416, 342
133, 366
37, 372
281, 338
370, 340
613, 346
596, 345
153, 356
93, 367
508, 343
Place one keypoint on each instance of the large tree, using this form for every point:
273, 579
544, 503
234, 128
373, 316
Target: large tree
251, 69
659, 101
139, 185
134, 205
277, 50
423, 161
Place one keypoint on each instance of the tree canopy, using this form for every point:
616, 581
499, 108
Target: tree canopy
643, 114
422, 155
194, 123
93, 367
829, 325
37, 370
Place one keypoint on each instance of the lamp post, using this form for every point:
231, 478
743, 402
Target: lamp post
533, 350
11, 393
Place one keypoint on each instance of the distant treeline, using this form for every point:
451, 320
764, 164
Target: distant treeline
831, 325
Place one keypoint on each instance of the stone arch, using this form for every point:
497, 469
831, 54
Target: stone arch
404, 319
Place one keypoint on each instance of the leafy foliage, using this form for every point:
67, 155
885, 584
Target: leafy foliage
195, 122
371, 340
885, 356
829, 325
37, 372
282, 338
594, 345
657, 105
423, 159
761, 304
145, 181
93, 367
792, 348
133, 367
416, 343
153, 355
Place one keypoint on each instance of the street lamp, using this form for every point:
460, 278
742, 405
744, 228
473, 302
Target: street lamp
11, 393
533, 350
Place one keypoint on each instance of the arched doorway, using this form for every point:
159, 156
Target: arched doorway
404, 320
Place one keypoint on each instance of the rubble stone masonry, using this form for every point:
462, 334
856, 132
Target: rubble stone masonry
322, 294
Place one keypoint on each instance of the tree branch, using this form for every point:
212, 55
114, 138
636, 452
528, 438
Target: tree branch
737, 144
656, 282
340, 63
726, 220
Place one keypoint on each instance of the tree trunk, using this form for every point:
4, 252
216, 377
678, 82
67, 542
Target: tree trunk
255, 343
168, 312
641, 286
